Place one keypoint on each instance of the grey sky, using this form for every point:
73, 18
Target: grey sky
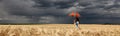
55, 11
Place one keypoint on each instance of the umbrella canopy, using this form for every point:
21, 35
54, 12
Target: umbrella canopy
74, 14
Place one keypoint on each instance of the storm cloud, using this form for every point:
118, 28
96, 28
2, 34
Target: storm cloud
56, 11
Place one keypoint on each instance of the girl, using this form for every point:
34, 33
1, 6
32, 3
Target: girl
76, 22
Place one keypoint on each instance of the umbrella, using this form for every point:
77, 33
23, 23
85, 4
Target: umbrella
74, 14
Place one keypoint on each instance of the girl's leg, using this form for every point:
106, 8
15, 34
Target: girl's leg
77, 23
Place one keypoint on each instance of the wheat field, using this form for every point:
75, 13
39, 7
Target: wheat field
59, 30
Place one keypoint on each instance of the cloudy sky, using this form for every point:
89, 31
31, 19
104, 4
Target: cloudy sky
56, 11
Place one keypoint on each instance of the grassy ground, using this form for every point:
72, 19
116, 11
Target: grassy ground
59, 30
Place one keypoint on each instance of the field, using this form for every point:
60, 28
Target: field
59, 30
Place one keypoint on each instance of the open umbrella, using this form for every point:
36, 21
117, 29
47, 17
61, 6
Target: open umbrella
74, 14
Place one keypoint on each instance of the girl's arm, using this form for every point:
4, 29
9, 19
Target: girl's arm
74, 21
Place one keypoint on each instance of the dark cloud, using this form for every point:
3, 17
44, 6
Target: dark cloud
28, 9
55, 11
55, 3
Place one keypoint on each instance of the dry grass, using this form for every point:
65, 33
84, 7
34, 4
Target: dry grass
59, 30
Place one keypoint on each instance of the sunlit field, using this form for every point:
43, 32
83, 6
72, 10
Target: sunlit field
59, 30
